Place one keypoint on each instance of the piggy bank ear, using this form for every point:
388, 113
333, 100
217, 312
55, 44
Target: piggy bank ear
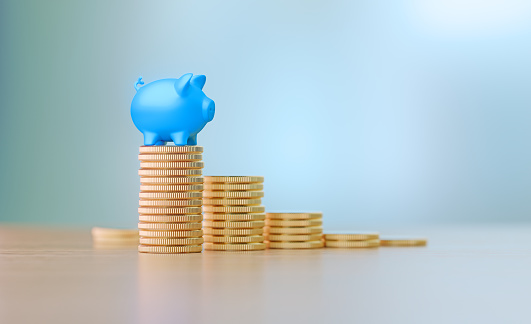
198, 81
182, 85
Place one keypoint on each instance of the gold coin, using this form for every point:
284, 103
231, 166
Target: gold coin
295, 245
170, 226
234, 246
234, 239
294, 230
353, 236
171, 165
294, 223
160, 149
171, 188
169, 210
170, 249
293, 238
230, 224
233, 194
114, 232
232, 202
236, 179
170, 157
171, 234
292, 216
234, 187
233, 231
171, 241
171, 180
170, 203
353, 244
234, 217
403, 241
233, 209
103, 240
169, 172
170, 195
170, 218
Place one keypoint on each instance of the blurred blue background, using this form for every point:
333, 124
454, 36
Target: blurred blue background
374, 112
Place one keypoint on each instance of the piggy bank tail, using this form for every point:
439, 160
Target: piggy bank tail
138, 82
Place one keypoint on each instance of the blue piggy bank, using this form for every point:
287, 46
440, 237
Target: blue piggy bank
172, 110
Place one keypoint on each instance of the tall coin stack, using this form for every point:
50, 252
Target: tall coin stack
234, 216
294, 230
170, 199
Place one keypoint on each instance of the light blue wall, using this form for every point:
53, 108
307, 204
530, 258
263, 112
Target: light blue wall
375, 112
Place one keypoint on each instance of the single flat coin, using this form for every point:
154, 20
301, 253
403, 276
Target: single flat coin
169, 210
234, 187
234, 246
170, 226
170, 249
171, 241
231, 202
353, 244
294, 223
287, 216
233, 194
233, 179
351, 236
170, 203
169, 172
116, 240
295, 245
233, 231
171, 188
234, 217
403, 241
159, 149
114, 232
171, 234
234, 239
233, 209
294, 230
170, 157
170, 218
171, 180
230, 224
170, 195
293, 238
171, 165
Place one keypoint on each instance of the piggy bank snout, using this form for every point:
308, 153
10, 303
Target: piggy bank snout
209, 108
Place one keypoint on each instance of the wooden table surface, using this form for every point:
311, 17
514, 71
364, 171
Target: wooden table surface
472, 274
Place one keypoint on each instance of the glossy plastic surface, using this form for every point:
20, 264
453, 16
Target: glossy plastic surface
172, 109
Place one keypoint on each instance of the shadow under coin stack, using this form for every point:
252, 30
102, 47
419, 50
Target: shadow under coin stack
352, 240
294, 230
170, 199
234, 216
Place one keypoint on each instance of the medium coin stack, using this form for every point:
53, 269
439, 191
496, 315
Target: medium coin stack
352, 240
170, 199
294, 230
234, 216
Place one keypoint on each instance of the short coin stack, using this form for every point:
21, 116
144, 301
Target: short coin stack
294, 230
170, 199
352, 240
234, 216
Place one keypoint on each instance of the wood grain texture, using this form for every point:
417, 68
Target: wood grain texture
465, 275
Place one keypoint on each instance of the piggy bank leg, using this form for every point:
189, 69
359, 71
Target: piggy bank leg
151, 138
160, 143
192, 140
180, 138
